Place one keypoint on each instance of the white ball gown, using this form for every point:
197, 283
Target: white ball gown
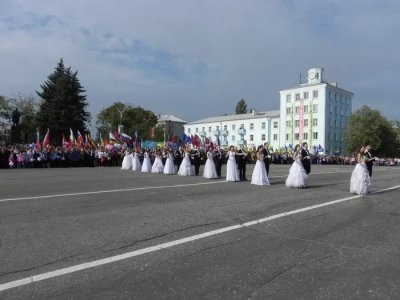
298, 177
185, 169
146, 166
169, 167
360, 181
259, 176
127, 162
136, 163
209, 168
232, 173
158, 166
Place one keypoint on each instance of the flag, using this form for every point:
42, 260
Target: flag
79, 138
320, 148
137, 141
207, 141
71, 137
174, 139
185, 139
38, 138
113, 139
46, 140
197, 140
90, 142
126, 138
212, 145
64, 141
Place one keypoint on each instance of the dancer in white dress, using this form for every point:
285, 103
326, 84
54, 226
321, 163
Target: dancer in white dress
360, 180
232, 173
169, 167
298, 177
136, 162
158, 166
146, 166
127, 161
209, 169
259, 176
185, 169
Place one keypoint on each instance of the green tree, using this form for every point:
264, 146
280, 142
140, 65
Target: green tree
133, 117
368, 126
63, 104
241, 107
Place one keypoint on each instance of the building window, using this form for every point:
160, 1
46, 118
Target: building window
217, 127
288, 110
251, 138
330, 136
288, 124
341, 98
305, 95
305, 136
298, 96
288, 98
209, 129
315, 108
341, 111
315, 135
305, 109
287, 137
233, 127
315, 94
275, 124
241, 126
296, 136
263, 137
315, 122
330, 108
296, 110
197, 130
225, 127
330, 95
251, 126
188, 130
347, 113
336, 137
275, 137
336, 109
225, 138
296, 123
233, 138
336, 97
336, 123
330, 122
342, 124
305, 122
263, 125
203, 129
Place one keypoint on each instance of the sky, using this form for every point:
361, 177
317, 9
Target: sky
198, 58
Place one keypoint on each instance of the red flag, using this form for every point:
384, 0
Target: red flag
174, 139
152, 132
116, 135
207, 141
192, 140
46, 140
198, 141
212, 145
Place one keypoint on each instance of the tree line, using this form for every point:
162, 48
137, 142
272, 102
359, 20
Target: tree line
61, 104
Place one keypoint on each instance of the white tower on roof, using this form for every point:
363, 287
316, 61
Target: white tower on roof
315, 75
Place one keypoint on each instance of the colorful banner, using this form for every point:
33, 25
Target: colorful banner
301, 120
152, 132
291, 124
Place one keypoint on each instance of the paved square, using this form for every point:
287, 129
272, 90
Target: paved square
149, 236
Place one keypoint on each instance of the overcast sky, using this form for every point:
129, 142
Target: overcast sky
198, 58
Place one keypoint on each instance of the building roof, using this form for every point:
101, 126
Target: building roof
306, 85
171, 118
249, 116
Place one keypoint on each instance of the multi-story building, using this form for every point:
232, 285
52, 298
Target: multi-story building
250, 129
171, 124
315, 112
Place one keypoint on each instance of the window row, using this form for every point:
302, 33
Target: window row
305, 123
305, 136
305, 109
225, 127
338, 97
305, 96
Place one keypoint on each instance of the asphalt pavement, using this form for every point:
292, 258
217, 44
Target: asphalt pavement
103, 233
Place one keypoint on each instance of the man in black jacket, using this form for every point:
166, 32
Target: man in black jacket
267, 156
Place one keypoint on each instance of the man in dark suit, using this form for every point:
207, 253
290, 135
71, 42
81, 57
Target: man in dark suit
306, 159
370, 161
196, 156
218, 159
178, 157
267, 156
241, 161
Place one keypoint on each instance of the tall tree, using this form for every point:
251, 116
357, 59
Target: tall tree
367, 125
64, 103
133, 117
241, 107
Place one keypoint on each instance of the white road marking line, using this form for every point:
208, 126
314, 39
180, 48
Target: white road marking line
134, 189
96, 263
